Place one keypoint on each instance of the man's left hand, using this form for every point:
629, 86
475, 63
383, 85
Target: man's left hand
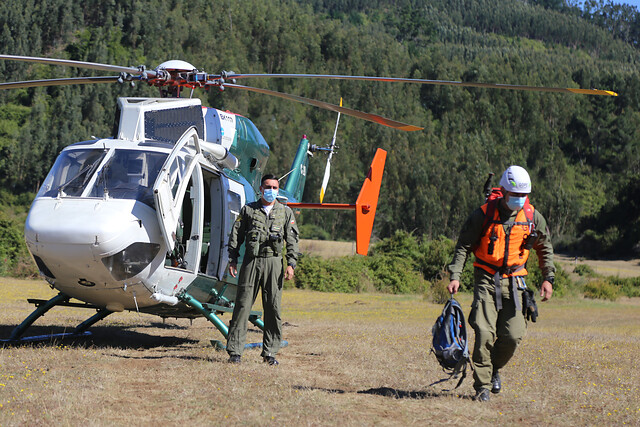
288, 274
546, 290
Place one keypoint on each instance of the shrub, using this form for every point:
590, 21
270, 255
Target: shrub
356, 274
14, 257
401, 245
344, 274
435, 256
314, 232
429, 257
601, 289
562, 281
629, 286
438, 293
395, 275
584, 270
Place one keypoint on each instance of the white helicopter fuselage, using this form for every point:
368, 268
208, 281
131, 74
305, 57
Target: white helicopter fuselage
129, 223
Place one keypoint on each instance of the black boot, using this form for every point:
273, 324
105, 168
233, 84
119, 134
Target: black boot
496, 384
271, 360
482, 395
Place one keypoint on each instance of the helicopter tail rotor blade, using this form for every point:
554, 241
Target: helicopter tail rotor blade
327, 169
59, 82
429, 82
331, 107
325, 180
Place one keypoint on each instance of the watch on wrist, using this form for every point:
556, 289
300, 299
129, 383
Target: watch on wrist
550, 280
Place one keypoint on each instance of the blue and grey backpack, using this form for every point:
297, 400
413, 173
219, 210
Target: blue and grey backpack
450, 341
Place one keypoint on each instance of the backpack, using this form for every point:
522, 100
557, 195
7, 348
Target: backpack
450, 341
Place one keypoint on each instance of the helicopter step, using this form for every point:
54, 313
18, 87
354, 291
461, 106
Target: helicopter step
42, 307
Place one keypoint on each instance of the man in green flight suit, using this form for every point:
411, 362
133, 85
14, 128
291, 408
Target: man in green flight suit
263, 226
500, 234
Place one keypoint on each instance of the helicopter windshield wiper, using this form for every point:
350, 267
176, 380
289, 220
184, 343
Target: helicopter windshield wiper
88, 170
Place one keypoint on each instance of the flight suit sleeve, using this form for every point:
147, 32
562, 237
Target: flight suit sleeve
469, 236
236, 238
291, 236
543, 247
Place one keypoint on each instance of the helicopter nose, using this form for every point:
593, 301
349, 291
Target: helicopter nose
76, 221
76, 235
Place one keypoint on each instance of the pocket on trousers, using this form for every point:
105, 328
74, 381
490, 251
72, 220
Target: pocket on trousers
473, 313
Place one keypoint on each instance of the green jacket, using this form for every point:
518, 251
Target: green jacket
470, 235
264, 236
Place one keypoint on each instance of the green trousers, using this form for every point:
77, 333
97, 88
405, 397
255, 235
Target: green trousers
255, 274
497, 333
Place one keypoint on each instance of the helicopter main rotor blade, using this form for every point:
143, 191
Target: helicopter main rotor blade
429, 82
59, 82
78, 64
331, 107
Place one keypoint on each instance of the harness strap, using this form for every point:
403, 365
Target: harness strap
498, 287
514, 292
497, 276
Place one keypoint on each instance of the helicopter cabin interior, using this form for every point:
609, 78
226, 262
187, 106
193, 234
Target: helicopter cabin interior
208, 211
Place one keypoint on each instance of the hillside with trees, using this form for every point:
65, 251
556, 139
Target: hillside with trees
583, 152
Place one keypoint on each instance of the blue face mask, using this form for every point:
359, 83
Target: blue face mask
270, 194
516, 203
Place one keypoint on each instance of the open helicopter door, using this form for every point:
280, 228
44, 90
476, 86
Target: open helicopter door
171, 185
234, 200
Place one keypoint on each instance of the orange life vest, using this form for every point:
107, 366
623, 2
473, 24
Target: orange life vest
500, 250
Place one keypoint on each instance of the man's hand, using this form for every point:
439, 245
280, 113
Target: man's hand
288, 274
453, 287
233, 269
546, 290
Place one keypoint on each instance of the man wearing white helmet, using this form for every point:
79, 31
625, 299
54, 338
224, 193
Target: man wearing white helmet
500, 234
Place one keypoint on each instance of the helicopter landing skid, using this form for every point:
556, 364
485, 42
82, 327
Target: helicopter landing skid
43, 306
219, 345
209, 311
254, 318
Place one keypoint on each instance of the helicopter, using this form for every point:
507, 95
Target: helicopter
141, 220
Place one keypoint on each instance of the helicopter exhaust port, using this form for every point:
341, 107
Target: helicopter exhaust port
219, 155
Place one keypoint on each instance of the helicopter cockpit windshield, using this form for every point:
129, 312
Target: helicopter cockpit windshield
71, 172
129, 174
126, 174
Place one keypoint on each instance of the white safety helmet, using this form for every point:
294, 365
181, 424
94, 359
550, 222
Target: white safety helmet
516, 180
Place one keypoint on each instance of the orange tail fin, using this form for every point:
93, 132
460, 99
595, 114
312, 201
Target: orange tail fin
367, 202
365, 205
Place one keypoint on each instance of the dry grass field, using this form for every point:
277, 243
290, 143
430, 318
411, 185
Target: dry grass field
620, 268
352, 360
327, 248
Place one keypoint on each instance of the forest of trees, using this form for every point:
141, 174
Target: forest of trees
583, 152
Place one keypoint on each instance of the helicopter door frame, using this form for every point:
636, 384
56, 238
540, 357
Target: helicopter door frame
193, 245
167, 197
234, 199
